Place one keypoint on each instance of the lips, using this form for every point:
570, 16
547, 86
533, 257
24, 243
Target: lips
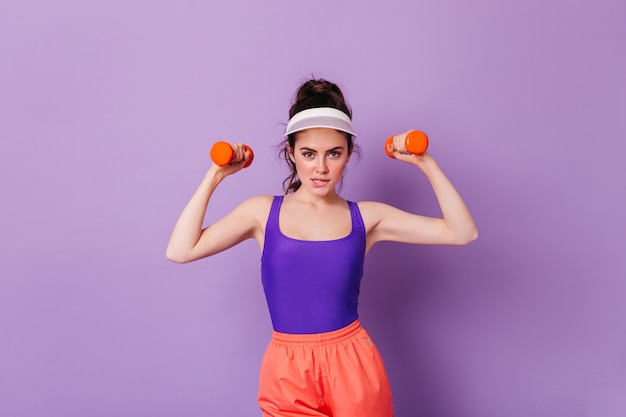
318, 182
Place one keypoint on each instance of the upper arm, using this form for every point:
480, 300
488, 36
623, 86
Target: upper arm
246, 221
387, 223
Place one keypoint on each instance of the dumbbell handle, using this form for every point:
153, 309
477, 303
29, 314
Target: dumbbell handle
415, 142
222, 154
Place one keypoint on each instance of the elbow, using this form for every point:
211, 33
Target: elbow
463, 237
176, 257
469, 238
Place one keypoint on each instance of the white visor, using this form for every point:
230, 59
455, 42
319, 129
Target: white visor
320, 117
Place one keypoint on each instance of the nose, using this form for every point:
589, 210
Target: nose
321, 165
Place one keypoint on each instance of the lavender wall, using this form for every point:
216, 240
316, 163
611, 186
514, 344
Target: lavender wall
107, 113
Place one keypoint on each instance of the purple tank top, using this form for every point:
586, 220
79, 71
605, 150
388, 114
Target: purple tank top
312, 286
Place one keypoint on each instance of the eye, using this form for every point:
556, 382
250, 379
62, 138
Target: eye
334, 154
307, 154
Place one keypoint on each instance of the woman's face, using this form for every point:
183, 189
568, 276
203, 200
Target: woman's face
320, 155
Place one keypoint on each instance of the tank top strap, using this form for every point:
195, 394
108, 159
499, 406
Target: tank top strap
272, 219
357, 221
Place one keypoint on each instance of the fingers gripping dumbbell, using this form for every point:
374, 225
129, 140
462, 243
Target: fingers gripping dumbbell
415, 142
222, 154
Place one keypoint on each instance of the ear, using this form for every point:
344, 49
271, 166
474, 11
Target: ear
290, 152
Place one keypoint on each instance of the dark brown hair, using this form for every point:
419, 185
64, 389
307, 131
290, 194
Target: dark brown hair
312, 94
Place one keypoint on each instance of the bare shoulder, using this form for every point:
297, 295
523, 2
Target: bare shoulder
373, 212
257, 207
373, 207
257, 203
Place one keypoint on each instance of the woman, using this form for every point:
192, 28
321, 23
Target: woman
320, 362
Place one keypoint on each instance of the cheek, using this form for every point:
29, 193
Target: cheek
340, 168
337, 169
302, 164
341, 163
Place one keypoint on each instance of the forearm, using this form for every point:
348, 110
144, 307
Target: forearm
456, 215
188, 228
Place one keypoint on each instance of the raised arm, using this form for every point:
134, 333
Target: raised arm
455, 227
189, 241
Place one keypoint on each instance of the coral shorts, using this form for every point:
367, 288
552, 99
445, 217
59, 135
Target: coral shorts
338, 374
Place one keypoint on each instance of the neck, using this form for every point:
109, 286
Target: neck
306, 197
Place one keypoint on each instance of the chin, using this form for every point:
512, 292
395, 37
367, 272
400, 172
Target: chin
322, 191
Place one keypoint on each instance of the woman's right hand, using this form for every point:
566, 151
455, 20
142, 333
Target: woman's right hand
240, 158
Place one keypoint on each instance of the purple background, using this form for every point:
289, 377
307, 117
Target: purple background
108, 110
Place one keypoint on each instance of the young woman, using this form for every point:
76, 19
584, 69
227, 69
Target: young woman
320, 362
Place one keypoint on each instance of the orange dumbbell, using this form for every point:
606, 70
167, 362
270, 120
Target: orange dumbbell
222, 154
415, 142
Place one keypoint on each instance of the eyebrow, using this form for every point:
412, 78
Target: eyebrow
336, 148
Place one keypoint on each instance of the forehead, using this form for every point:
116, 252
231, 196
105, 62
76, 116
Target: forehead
322, 137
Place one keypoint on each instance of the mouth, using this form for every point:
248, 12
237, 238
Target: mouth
319, 182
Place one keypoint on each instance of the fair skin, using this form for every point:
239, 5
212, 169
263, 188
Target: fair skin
316, 211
